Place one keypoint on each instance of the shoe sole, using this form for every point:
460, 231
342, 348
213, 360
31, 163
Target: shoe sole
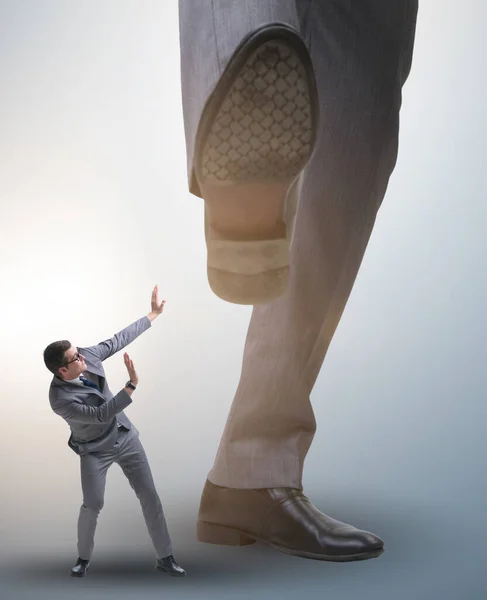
258, 127
209, 533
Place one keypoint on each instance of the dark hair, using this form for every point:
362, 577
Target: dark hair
54, 357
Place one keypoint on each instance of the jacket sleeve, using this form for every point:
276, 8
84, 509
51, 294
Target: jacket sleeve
123, 338
71, 410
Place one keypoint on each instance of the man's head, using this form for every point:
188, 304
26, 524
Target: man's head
64, 360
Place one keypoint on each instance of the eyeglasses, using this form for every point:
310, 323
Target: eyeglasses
76, 358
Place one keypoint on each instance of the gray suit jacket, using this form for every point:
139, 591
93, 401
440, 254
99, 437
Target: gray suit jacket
91, 415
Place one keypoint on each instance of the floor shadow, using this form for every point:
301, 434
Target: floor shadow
410, 533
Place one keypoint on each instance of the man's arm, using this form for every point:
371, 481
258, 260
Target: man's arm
123, 338
76, 411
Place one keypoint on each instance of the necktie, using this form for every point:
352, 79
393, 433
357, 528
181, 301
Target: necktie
89, 383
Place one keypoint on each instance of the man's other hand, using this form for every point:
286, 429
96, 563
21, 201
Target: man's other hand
129, 364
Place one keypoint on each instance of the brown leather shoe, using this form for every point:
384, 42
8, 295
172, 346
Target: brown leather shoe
283, 518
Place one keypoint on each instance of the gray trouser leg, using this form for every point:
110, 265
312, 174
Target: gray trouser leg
94, 469
133, 461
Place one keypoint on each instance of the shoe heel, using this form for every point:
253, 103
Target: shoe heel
224, 536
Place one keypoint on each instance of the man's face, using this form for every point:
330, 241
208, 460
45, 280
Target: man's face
74, 364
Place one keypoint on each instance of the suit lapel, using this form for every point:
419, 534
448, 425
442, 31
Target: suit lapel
99, 375
93, 378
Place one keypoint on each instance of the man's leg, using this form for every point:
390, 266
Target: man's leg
94, 469
361, 54
133, 461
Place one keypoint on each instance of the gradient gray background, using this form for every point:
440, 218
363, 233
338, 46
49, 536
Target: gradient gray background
94, 212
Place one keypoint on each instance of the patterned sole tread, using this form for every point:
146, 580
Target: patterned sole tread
263, 129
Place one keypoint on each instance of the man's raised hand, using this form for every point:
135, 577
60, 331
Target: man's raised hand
156, 305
